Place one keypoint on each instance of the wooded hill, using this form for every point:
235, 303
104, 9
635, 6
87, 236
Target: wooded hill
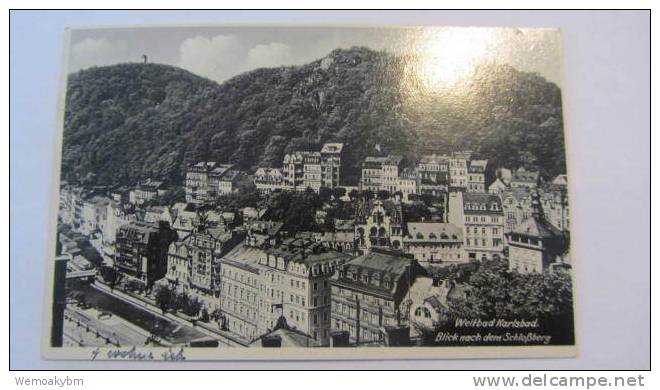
131, 121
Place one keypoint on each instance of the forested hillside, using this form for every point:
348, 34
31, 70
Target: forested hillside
130, 121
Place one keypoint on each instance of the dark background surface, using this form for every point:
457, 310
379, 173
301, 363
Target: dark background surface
607, 118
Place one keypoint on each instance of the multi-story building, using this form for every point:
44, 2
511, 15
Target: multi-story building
429, 187
193, 262
268, 180
458, 169
434, 243
331, 155
369, 295
289, 279
381, 173
408, 183
146, 190
523, 177
228, 183
245, 310
299, 272
477, 176
205, 181
70, 195
93, 214
434, 168
379, 223
294, 170
312, 171
371, 173
535, 244
141, 250
339, 241
116, 215
303, 170
481, 217
554, 200
516, 206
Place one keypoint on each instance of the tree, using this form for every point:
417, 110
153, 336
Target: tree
496, 292
353, 194
109, 275
204, 316
368, 194
416, 212
383, 194
164, 298
325, 193
338, 192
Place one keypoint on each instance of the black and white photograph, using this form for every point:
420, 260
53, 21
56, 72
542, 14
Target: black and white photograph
348, 192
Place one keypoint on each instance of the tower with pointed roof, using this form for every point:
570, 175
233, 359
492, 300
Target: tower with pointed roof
535, 244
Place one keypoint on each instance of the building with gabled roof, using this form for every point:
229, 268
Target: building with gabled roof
369, 295
297, 274
380, 173
206, 180
535, 244
434, 243
477, 176
497, 187
379, 223
145, 190
523, 177
141, 250
481, 217
331, 156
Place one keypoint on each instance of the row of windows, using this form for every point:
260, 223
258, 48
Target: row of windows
364, 298
477, 242
482, 218
475, 230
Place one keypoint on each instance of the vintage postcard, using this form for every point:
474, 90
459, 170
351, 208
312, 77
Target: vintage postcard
311, 193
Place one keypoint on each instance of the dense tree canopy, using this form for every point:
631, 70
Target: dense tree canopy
130, 121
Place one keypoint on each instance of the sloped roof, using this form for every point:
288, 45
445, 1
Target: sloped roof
382, 261
289, 336
537, 227
332, 147
481, 203
243, 256
423, 231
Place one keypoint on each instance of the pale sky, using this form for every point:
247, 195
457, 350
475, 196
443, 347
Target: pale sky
222, 52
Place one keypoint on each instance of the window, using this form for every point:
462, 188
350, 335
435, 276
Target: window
316, 286
316, 302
